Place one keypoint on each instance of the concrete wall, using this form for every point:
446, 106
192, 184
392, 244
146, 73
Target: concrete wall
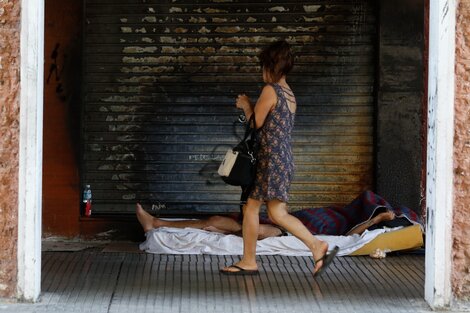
9, 140
461, 231
399, 104
62, 74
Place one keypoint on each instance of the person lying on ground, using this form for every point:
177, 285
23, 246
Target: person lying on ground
309, 217
216, 223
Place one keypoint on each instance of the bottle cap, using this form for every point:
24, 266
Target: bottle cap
87, 186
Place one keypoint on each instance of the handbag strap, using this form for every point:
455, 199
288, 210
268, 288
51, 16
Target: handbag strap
250, 130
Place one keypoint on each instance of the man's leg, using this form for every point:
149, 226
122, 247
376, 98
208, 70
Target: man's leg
266, 230
220, 224
149, 222
215, 223
223, 224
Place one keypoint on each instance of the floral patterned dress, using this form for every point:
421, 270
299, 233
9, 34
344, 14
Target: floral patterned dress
275, 169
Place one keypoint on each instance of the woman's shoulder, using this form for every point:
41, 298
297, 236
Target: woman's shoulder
269, 88
269, 85
269, 91
268, 97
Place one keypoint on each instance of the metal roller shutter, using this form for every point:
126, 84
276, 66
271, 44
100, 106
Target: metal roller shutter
161, 77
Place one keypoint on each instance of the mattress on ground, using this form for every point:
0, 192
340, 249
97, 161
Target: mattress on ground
407, 238
166, 240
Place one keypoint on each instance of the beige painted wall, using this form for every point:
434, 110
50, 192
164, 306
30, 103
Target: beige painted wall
9, 139
461, 231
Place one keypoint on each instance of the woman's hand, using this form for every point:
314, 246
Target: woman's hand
243, 102
266, 101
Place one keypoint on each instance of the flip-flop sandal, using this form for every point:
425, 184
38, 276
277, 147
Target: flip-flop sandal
327, 259
241, 271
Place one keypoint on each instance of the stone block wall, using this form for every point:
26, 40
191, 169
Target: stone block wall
461, 231
9, 141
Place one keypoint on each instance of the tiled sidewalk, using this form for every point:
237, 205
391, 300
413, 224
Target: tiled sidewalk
94, 281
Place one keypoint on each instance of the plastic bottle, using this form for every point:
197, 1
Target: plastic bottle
87, 200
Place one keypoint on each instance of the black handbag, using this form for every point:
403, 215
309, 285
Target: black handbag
239, 165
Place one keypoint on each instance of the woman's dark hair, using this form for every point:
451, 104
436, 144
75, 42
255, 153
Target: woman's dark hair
277, 59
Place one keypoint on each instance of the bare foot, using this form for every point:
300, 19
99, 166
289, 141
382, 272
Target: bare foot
145, 219
318, 252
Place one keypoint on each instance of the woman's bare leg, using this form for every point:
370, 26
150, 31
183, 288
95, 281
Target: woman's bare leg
277, 212
250, 228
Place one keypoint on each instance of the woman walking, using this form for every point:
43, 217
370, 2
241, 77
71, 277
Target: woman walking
274, 117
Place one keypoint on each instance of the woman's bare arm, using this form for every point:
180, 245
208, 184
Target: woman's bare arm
266, 101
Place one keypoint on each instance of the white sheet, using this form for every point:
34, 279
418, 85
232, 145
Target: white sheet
167, 240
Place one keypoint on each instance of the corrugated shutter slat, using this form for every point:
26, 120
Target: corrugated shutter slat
161, 78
